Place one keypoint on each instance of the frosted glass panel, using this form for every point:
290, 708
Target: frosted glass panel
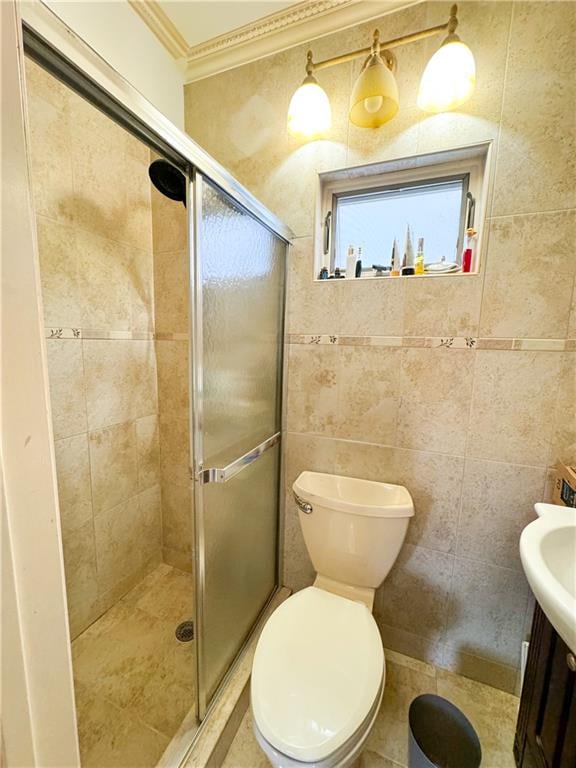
242, 273
240, 531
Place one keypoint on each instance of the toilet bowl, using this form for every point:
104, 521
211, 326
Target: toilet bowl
319, 671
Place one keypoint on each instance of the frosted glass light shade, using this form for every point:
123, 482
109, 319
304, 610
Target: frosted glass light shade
374, 98
449, 78
309, 113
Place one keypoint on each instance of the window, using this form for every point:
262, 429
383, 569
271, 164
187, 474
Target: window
440, 197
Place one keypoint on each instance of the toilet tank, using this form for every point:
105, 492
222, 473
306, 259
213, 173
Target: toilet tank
353, 529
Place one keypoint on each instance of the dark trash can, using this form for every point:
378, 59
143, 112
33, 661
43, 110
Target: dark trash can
440, 736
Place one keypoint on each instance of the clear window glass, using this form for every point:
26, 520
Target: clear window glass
371, 219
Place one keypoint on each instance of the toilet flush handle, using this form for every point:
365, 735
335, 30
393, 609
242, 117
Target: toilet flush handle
303, 505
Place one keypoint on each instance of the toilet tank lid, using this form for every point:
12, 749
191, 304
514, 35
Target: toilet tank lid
354, 495
317, 670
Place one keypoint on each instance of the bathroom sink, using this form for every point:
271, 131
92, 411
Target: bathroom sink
548, 554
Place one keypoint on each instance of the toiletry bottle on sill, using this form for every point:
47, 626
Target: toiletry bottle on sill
351, 262
395, 261
469, 251
419, 266
408, 262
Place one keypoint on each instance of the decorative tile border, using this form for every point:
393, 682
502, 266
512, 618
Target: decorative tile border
92, 333
448, 342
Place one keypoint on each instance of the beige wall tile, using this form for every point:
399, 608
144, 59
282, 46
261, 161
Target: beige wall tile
368, 393
487, 608
529, 276
536, 166
81, 577
104, 283
312, 307
371, 308
121, 541
120, 381
398, 641
435, 484
169, 224
59, 273
436, 387
137, 189
563, 442
312, 390
302, 452
171, 291
150, 505
174, 451
370, 462
177, 513
67, 392
173, 375
414, 595
50, 125
398, 138
572, 320
512, 406
178, 559
114, 465
485, 671
442, 306
497, 503
148, 448
74, 490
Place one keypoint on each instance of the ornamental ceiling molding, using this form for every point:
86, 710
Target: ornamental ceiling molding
276, 32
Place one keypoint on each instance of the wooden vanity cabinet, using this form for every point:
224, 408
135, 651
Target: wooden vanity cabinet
546, 728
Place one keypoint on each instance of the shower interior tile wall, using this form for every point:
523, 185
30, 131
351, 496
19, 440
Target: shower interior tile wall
472, 432
103, 245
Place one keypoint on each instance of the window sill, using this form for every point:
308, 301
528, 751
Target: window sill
388, 278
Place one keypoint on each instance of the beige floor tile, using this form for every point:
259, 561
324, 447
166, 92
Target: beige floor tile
389, 737
370, 759
134, 681
245, 751
492, 712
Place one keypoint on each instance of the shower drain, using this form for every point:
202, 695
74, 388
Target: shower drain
185, 631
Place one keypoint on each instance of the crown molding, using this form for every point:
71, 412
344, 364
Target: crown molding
276, 32
279, 31
162, 26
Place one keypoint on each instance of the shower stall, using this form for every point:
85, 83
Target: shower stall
163, 295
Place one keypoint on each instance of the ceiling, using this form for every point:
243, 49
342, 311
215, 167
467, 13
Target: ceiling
211, 36
200, 20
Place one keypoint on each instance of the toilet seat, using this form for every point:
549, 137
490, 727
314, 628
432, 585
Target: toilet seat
317, 673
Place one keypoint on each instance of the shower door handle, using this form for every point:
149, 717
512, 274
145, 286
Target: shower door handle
223, 474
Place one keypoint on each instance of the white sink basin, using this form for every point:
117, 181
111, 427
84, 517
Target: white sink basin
548, 554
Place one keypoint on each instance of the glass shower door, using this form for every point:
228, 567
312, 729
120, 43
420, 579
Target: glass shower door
238, 294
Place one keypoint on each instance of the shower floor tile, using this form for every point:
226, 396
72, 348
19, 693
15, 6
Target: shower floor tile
492, 713
134, 680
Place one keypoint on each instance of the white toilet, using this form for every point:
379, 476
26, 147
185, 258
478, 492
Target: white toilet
318, 672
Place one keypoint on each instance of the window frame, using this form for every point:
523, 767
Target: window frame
417, 183
417, 170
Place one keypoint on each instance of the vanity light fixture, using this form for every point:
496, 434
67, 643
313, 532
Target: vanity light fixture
447, 82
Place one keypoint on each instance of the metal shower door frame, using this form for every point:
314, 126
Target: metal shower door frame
200, 475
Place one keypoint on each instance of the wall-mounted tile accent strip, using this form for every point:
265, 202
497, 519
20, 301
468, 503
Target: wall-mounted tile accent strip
449, 342
91, 333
